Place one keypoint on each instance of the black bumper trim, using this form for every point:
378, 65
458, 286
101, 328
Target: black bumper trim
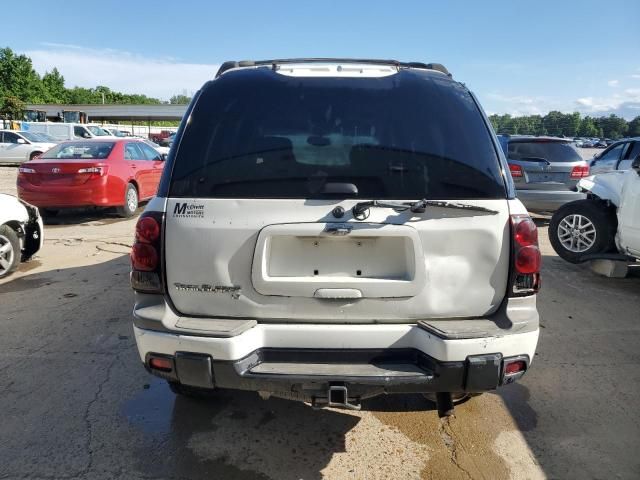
478, 373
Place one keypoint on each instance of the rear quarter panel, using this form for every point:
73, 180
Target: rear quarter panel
120, 173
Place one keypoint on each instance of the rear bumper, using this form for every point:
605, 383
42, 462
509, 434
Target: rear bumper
427, 356
89, 194
547, 200
305, 374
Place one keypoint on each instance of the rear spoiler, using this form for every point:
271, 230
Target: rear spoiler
275, 62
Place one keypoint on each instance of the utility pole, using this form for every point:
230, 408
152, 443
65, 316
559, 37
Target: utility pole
102, 97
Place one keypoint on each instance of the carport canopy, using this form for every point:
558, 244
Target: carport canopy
116, 113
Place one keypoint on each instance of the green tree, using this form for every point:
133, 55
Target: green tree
180, 100
53, 85
587, 127
11, 107
634, 127
552, 122
18, 78
612, 126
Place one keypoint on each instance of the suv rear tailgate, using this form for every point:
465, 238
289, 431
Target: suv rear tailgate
224, 260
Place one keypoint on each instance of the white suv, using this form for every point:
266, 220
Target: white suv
331, 230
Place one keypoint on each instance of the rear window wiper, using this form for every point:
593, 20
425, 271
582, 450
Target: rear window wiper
360, 209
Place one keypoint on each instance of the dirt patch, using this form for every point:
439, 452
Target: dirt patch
462, 446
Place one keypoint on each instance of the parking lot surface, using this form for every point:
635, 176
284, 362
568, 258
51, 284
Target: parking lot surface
77, 403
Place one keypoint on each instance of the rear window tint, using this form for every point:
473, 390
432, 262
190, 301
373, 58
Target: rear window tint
80, 150
260, 134
551, 151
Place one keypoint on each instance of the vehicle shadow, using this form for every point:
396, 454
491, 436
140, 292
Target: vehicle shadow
237, 435
77, 216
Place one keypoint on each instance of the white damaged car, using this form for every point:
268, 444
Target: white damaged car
21, 233
604, 226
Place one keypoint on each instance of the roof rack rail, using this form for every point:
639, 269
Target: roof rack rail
282, 61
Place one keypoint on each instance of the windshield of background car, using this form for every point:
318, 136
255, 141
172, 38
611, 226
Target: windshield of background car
551, 151
44, 137
94, 150
32, 137
97, 131
410, 135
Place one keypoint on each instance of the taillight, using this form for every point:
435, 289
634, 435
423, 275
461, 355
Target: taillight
98, 171
516, 170
147, 230
525, 276
26, 170
580, 171
146, 259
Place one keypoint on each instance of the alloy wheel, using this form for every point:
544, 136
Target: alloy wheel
6, 254
132, 199
576, 233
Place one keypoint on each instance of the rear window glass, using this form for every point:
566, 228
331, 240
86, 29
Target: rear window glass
551, 151
411, 135
80, 150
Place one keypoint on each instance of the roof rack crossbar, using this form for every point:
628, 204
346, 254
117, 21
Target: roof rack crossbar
283, 61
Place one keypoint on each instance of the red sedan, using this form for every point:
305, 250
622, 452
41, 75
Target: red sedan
100, 173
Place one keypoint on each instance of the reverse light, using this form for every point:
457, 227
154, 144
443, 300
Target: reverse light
26, 170
516, 170
580, 171
526, 257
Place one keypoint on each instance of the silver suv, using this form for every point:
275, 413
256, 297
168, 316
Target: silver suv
546, 170
331, 230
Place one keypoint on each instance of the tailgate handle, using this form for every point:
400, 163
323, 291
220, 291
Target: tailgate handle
337, 293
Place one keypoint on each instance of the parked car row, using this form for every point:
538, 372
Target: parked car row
592, 142
23, 145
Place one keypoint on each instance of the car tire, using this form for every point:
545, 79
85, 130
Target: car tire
188, 391
581, 228
131, 201
9, 250
34, 155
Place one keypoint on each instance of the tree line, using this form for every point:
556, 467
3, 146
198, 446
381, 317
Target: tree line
567, 124
20, 84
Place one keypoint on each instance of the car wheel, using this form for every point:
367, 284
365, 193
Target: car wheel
188, 391
34, 155
9, 250
130, 202
581, 228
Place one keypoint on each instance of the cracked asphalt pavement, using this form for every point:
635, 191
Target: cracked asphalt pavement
75, 401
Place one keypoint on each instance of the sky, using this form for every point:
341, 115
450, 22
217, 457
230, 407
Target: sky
518, 57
